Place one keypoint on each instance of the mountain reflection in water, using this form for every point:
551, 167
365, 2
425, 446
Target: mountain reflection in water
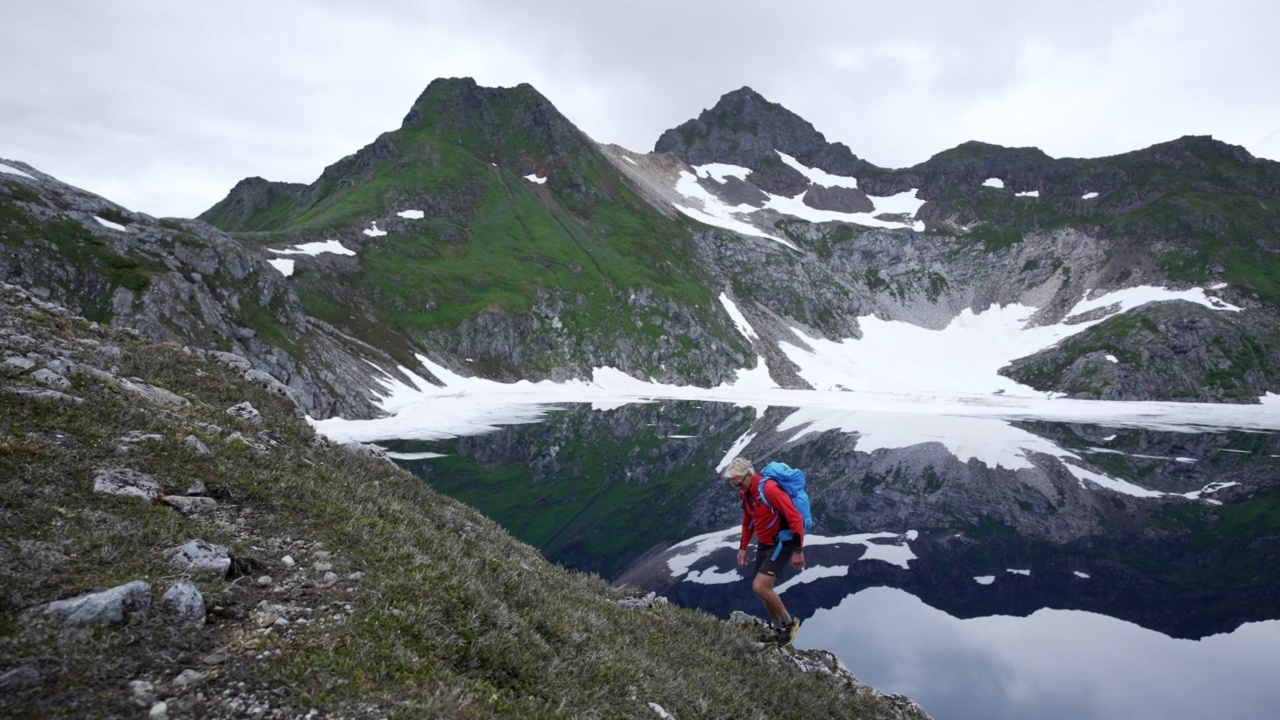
984, 568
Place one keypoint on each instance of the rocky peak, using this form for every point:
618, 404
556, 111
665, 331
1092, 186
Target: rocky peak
746, 129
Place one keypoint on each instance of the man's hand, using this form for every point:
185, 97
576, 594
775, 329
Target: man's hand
797, 560
742, 557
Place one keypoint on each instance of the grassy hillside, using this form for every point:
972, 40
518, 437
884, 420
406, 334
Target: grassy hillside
354, 588
580, 245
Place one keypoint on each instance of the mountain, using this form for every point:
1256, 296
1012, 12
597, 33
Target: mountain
506, 244
491, 236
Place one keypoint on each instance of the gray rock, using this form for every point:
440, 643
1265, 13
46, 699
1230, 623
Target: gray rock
41, 394
839, 199
235, 361
184, 601
117, 605
18, 678
123, 481
203, 557
45, 376
330, 578
159, 711
190, 505
188, 678
373, 451
197, 488
245, 411
264, 380
91, 371
110, 352
155, 395
194, 443
651, 600
142, 693
14, 365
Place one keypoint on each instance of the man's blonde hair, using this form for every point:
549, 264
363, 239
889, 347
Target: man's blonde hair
737, 467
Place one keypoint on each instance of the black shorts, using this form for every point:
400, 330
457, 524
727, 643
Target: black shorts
770, 559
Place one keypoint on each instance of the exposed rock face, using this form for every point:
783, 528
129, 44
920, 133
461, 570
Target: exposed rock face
178, 280
1177, 350
747, 130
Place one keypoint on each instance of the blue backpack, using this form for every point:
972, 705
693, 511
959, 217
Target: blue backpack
792, 481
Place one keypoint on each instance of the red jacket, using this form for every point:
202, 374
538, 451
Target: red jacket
763, 520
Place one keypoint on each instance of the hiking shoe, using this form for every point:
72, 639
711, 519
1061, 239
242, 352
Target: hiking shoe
787, 633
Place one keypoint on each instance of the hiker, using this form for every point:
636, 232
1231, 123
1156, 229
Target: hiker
777, 515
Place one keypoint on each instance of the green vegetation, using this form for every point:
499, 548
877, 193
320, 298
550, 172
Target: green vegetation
98, 266
583, 241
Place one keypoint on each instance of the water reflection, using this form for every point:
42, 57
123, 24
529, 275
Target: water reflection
1052, 664
986, 568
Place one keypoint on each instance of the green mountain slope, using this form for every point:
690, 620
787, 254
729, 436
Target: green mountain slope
527, 279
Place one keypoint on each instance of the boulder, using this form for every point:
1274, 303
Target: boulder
245, 411
122, 481
117, 605
202, 557
184, 601
188, 505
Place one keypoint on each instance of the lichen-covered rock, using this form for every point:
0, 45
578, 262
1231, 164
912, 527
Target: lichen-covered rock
117, 605
123, 481
184, 601
199, 556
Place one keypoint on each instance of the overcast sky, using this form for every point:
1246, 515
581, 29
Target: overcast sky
163, 105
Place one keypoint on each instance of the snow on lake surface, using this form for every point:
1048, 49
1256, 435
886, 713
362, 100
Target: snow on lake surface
108, 224
315, 248
11, 170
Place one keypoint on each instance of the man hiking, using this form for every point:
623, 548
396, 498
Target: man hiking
775, 516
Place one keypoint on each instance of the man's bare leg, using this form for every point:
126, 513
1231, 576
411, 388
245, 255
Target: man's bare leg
763, 587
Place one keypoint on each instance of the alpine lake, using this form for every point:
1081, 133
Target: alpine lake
986, 569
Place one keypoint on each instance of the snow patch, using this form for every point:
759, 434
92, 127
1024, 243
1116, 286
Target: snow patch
108, 224
11, 170
284, 266
1028, 193
993, 183
373, 231
1089, 196
984, 579
413, 456
816, 176
533, 178
1112, 359
316, 248
1082, 576
739, 320
1018, 572
411, 214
